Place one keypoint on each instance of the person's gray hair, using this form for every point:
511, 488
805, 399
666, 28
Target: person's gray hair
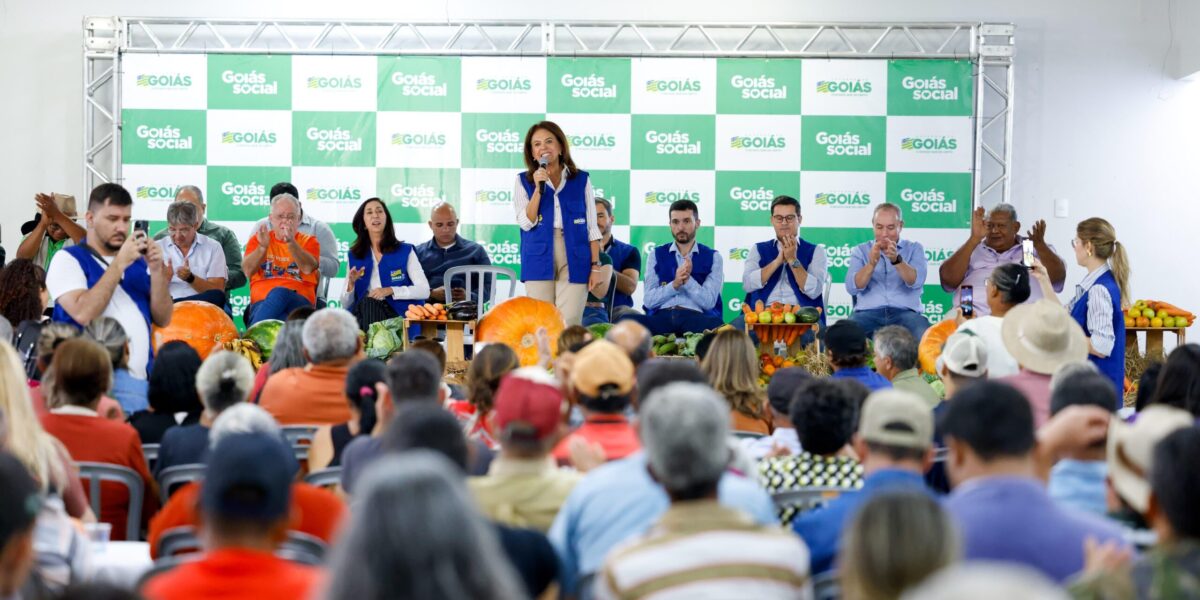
289, 348
242, 418
330, 334
285, 196
1004, 208
6, 329
683, 428
415, 533
981, 580
190, 188
224, 379
897, 343
888, 206
183, 213
1066, 370
109, 332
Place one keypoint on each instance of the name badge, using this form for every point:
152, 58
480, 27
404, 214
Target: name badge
580, 221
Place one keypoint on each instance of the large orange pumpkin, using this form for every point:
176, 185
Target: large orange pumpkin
202, 325
931, 344
515, 322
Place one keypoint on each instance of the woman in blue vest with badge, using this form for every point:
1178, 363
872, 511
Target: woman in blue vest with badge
1098, 305
556, 210
384, 275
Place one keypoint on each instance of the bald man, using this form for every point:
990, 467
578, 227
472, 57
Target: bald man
447, 249
633, 338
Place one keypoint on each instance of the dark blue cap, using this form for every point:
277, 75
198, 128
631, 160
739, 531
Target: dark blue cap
249, 477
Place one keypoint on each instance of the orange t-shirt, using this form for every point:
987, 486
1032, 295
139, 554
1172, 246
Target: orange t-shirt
235, 573
315, 511
280, 269
743, 422
310, 395
614, 433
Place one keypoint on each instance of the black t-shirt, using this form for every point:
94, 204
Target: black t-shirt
531, 555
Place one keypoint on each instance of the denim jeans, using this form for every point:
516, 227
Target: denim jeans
211, 296
876, 318
592, 316
277, 305
677, 321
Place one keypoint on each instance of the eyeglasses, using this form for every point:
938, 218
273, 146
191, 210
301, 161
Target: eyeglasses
1075, 242
781, 219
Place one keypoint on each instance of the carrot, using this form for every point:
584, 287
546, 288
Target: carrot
789, 308
1171, 309
748, 310
793, 333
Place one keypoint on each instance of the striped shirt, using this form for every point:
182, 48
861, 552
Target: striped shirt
1099, 311
701, 549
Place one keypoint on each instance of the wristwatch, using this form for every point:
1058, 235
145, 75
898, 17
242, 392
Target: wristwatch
596, 263
899, 259
190, 278
795, 264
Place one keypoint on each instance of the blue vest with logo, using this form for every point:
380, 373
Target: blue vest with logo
537, 244
393, 272
702, 264
767, 251
1112, 366
135, 281
619, 251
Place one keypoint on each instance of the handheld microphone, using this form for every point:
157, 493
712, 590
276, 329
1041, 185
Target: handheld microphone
544, 160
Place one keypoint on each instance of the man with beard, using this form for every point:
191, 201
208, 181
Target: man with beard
886, 276
626, 259
683, 279
114, 274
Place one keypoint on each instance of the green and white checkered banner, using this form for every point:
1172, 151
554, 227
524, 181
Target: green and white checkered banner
730, 134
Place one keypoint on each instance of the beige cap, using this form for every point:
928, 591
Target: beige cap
601, 363
1131, 450
964, 354
896, 418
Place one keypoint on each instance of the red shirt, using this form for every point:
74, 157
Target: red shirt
613, 432
235, 573
315, 511
477, 428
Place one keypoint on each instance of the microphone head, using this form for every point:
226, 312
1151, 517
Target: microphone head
544, 160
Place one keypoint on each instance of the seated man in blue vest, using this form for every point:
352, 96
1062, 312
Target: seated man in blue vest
683, 279
626, 263
113, 273
887, 275
799, 265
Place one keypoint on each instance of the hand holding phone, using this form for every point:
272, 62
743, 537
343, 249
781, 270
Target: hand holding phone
967, 301
1027, 246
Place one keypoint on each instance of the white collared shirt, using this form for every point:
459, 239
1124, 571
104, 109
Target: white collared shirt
205, 258
521, 201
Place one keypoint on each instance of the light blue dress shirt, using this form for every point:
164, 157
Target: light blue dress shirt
692, 295
886, 289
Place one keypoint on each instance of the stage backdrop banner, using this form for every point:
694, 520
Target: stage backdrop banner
730, 134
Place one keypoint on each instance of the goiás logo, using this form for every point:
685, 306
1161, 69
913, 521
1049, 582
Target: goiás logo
599, 192
769, 143
931, 200
938, 255
239, 303
415, 196
738, 254
334, 140
512, 85
419, 139
494, 197
334, 83
844, 144
164, 81
673, 86
844, 87
164, 138
839, 256
334, 194
660, 198
246, 194
155, 192
419, 84
934, 311
752, 198
588, 86
838, 311
673, 142
933, 88
929, 145
503, 253
250, 83
499, 141
593, 141
842, 199
761, 87
249, 138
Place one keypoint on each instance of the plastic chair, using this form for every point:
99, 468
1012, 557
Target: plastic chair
826, 586
330, 477
178, 540
150, 451
174, 477
940, 455
296, 434
747, 435
807, 498
475, 278
302, 548
95, 473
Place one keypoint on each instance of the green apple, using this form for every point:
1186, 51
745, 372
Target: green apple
1148, 313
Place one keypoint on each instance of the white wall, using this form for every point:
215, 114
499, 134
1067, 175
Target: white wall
1097, 119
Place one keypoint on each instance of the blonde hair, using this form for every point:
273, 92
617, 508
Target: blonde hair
39, 451
1103, 238
894, 543
732, 371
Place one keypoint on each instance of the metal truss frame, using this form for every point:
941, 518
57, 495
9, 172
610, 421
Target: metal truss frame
990, 46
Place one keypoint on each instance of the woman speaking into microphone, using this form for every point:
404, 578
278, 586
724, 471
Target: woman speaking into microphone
556, 209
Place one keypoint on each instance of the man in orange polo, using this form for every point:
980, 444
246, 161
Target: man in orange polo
315, 393
282, 264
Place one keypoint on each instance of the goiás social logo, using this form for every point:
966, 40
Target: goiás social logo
929, 145
155, 192
673, 86
931, 200
334, 194
164, 81
664, 197
334, 140
588, 86
594, 141
164, 138
251, 83
761, 87
419, 84
246, 194
419, 139
932, 88
503, 253
500, 141
415, 196
752, 198
839, 255
844, 87
758, 142
494, 197
249, 138
842, 199
844, 144
934, 311
673, 142
509, 85
334, 83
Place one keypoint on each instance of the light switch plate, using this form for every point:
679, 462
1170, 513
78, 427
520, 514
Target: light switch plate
1061, 207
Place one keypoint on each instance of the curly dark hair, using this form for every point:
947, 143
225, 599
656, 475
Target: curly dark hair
21, 283
825, 413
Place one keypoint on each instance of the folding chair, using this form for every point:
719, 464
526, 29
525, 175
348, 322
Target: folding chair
172, 478
330, 477
95, 473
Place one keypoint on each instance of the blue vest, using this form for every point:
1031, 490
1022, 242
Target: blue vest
537, 244
619, 252
393, 272
767, 251
135, 281
1112, 366
702, 264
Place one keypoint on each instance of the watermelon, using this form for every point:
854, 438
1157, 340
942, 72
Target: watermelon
263, 333
808, 314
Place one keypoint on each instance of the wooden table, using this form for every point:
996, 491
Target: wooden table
1154, 338
800, 328
454, 334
